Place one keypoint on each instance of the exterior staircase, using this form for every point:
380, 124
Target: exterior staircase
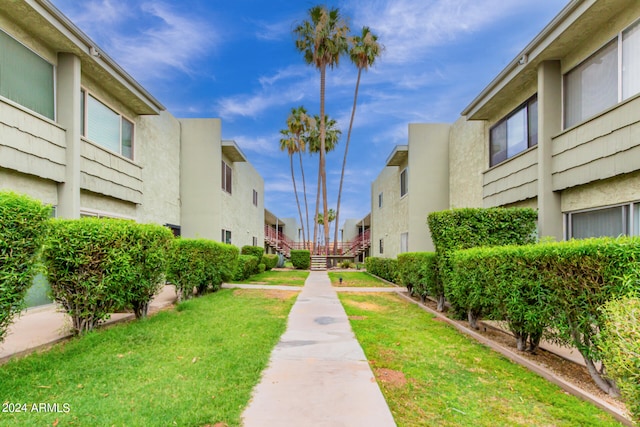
318, 262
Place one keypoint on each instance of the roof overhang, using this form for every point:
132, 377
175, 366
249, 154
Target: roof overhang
365, 222
233, 152
398, 156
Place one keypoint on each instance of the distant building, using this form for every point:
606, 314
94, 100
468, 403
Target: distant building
557, 130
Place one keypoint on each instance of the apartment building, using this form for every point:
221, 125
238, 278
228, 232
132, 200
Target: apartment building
557, 130
79, 133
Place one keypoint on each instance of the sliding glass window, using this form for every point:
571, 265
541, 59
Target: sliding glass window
515, 133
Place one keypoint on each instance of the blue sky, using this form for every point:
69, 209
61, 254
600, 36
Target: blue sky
236, 60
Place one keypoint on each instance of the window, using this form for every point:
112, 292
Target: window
381, 246
380, 200
404, 243
25, 77
255, 241
175, 229
612, 221
105, 127
227, 177
226, 236
403, 183
599, 82
515, 133
255, 198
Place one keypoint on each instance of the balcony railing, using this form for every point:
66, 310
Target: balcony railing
282, 244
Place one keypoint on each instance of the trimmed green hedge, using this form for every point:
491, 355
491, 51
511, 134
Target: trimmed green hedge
556, 288
247, 266
386, 268
257, 252
620, 346
22, 228
201, 264
270, 261
457, 229
417, 271
301, 259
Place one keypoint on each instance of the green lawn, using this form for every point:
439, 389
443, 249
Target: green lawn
357, 279
192, 366
287, 278
431, 374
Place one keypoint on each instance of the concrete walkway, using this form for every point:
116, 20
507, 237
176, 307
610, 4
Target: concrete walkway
318, 374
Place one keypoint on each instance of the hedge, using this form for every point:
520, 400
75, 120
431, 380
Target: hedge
200, 263
22, 228
301, 259
247, 266
386, 268
417, 272
456, 229
270, 261
561, 285
620, 346
257, 252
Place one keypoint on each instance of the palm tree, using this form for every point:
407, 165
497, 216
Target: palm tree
322, 40
331, 141
364, 51
288, 143
299, 124
331, 215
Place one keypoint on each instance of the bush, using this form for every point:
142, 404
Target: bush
88, 266
270, 261
563, 285
417, 271
22, 228
247, 266
620, 346
456, 229
346, 264
301, 259
256, 251
200, 263
148, 248
385, 268
261, 268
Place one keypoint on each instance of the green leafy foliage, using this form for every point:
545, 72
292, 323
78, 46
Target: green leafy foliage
417, 272
247, 266
301, 259
22, 228
457, 229
200, 263
386, 268
270, 261
620, 347
257, 252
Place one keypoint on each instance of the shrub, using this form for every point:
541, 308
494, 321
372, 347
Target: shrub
22, 228
386, 268
417, 271
87, 264
261, 268
256, 251
301, 259
620, 346
456, 229
346, 264
270, 261
247, 265
148, 248
203, 264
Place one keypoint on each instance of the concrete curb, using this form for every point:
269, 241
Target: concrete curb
534, 367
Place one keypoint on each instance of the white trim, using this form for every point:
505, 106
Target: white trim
103, 214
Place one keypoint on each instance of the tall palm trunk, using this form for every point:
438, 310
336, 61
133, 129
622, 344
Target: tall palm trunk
295, 190
323, 153
315, 221
306, 205
344, 161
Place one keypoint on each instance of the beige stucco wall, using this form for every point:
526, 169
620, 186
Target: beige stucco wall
428, 186
238, 213
467, 162
620, 189
158, 153
350, 229
392, 219
38, 188
290, 228
94, 203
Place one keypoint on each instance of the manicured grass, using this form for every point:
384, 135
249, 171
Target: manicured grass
192, 366
357, 279
286, 278
431, 374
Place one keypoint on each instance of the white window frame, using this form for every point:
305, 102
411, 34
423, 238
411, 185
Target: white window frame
227, 184
404, 172
628, 212
224, 236
85, 94
380, 200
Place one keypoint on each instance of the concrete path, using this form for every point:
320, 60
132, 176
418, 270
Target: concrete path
318, 374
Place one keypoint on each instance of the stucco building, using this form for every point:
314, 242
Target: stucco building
79, 133
557, 130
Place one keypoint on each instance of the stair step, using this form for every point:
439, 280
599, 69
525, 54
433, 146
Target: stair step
318, 263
